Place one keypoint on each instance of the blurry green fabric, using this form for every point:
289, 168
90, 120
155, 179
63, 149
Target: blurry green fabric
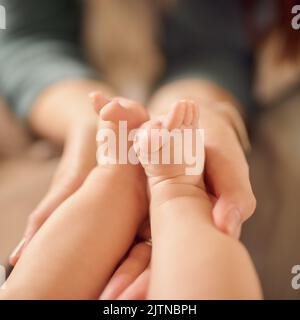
39, 47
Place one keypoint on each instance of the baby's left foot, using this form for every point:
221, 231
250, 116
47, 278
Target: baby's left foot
171, 149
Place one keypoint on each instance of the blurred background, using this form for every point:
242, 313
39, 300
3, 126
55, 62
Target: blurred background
249, 47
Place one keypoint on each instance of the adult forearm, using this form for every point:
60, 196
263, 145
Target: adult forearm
63, 106
199, 90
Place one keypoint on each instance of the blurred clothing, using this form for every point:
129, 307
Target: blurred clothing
42, 46
272, 234
208, 39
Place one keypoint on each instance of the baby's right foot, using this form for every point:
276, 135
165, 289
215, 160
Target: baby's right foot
166, 146
111, 114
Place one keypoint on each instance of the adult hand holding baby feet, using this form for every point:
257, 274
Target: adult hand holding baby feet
191, 258
156, 137
181, 219
131, 279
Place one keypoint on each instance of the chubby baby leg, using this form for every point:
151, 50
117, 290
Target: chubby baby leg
191, 259
76, 251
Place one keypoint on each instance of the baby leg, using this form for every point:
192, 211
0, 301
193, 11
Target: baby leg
75, 252
191, 259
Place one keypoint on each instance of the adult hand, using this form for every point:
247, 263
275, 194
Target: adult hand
131, 279
77, 161
64, 115
226, 168
226, 172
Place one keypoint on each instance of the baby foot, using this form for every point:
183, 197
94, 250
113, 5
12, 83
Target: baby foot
118, 118
171, 148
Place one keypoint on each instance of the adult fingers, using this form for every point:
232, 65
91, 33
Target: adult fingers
131, 268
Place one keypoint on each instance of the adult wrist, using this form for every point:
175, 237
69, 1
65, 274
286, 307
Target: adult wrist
229, 113
225, 104
236, 121
63, 106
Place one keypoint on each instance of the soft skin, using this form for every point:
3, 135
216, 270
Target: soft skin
79, 263
62, 113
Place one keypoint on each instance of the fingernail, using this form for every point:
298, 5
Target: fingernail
233, 221
17, 250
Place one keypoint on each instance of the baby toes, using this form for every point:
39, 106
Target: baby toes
174, 119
